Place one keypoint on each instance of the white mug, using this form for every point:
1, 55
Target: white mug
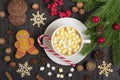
82, 43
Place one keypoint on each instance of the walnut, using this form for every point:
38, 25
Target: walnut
90, 66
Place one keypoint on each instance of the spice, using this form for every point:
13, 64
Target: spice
87, 77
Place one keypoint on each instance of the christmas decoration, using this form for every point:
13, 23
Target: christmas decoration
95, 19
38, 19
116, 26
105, 68
53, 52
100, 29
24, 69
98, 55
54, 11
106, 14
101, 40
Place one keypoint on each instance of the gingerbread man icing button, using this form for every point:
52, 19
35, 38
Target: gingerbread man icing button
24, 44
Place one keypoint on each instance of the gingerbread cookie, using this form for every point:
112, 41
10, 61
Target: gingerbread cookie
18, 20
24, 44
17, 7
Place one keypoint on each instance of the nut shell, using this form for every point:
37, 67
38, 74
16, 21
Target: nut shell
80, 68
75, 9
90, 66
8, 50
7, 58
79, 4
12, 64
2, 14
2, 40
35, 6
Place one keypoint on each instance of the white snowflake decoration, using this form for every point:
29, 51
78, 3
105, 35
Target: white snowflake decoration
24, 69
38, 19
105, 69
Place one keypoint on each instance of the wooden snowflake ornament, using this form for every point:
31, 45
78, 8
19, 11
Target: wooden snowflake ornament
24, 69
105, 69
38, 19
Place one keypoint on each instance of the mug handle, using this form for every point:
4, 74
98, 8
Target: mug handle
87, 41
52, 51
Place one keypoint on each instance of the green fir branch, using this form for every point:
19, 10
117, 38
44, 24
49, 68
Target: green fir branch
108, 13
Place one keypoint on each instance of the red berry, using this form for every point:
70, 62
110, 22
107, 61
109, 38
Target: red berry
116, 26
62, 14
101, 40
68, 12
48, 6
95, 19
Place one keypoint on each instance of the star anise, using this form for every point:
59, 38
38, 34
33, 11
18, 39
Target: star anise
9, 32
118, 71
43, 60
33, 61
87, 77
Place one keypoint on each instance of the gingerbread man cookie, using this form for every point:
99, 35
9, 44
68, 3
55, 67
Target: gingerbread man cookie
24, 44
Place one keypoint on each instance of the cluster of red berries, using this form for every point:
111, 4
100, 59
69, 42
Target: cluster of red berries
54, 11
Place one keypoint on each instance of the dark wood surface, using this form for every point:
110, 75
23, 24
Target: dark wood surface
35, 32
